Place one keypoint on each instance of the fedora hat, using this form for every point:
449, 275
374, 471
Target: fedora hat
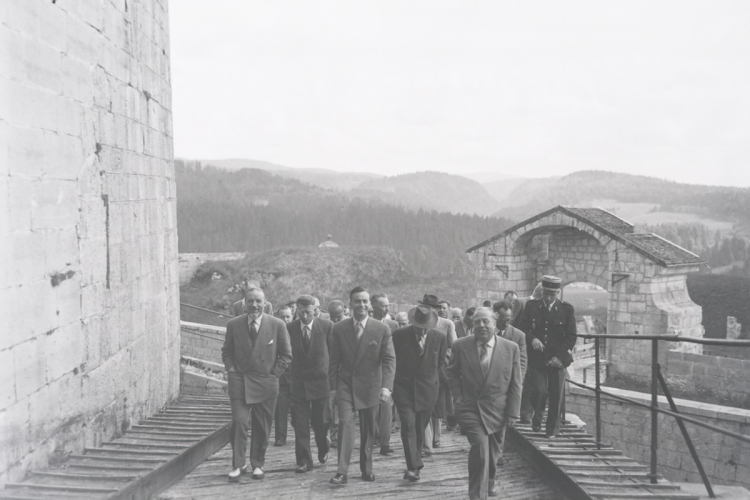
423, 317
429, 300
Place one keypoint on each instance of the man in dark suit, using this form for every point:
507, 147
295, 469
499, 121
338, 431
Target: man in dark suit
363, 364
311, 341
463, 327
255, 353
503, 314
381, 306
281, 413
420, 365
485, 378
550, 328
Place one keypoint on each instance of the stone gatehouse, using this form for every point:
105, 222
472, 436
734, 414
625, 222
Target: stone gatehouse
644, 274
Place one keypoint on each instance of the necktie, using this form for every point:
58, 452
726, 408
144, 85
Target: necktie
484, 359
306, 338
253, 333
421, 342
359, 329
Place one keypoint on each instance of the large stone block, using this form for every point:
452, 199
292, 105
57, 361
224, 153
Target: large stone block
54, 204
30, 361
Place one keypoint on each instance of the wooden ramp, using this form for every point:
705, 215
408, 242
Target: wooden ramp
445, 476
147, 459
584, 470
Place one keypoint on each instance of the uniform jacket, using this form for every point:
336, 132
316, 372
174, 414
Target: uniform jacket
417, 381
494, 398
359, 370
556, 329
515, 335
309, 370
260, 365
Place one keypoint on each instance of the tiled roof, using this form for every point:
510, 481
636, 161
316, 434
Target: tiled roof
666, 251
651, 246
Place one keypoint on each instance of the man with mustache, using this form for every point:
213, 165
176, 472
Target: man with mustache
255, 353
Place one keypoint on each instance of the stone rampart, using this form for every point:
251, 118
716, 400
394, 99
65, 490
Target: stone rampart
88, 237
725, 459
201, 341
721, 377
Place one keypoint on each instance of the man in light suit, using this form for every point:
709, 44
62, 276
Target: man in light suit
503, 316
381, 306
420, 365
311, 341
255, 353
484, 373
363, 364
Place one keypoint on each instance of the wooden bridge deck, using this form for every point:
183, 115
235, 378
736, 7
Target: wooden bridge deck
445, 476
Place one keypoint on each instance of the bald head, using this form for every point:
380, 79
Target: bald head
483, 324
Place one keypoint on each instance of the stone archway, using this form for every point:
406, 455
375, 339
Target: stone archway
644, 274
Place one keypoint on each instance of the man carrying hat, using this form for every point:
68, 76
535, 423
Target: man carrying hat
420, 366
444, 404
550, 328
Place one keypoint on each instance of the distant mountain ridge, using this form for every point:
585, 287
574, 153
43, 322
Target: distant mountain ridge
430, 191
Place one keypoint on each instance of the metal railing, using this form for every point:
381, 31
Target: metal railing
657, 380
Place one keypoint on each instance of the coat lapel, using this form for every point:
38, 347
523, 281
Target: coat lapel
242, 336
429, 344
364, 342
351, 339
495, 360
265, 335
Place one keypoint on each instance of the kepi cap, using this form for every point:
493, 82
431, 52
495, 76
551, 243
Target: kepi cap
551, 283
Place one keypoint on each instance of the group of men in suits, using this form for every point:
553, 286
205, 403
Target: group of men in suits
369, 363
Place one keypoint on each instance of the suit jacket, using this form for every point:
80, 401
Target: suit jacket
515, 335
494, 398
324, 315
556, 329
362, 369
238, 310
461, 329
448, 328
417, 380
309, 369
259, 365
393, 325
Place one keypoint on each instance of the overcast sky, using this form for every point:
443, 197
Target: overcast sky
522, 88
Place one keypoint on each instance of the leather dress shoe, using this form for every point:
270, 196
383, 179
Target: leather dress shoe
258, 473
436, 444
279, 443
368, 477
234, 476
411, 475
536, 427
493, 492
303, 468
386, 451
500, 462
338, 479
524, 421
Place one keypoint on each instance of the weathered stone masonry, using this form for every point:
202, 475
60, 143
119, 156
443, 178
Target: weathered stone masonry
89, 340
644, 274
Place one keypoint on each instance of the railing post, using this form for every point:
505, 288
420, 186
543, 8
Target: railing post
654, 404
598, 396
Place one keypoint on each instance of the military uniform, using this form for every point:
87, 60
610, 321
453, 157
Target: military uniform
555, 327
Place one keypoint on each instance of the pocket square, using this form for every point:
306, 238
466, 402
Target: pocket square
271, 342
374, 342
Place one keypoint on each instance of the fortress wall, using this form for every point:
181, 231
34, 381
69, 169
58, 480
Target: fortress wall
725, 459
89, 284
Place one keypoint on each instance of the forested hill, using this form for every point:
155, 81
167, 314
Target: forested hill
724, 203
431, 190
253, 211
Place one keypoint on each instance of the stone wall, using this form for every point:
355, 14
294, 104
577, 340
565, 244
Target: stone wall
201, 341
644, 297
725, 378
190, 262
725, 459
89, 284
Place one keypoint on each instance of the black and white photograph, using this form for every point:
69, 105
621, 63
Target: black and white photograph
374, 249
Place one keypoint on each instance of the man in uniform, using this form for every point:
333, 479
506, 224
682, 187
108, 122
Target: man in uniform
550, 328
